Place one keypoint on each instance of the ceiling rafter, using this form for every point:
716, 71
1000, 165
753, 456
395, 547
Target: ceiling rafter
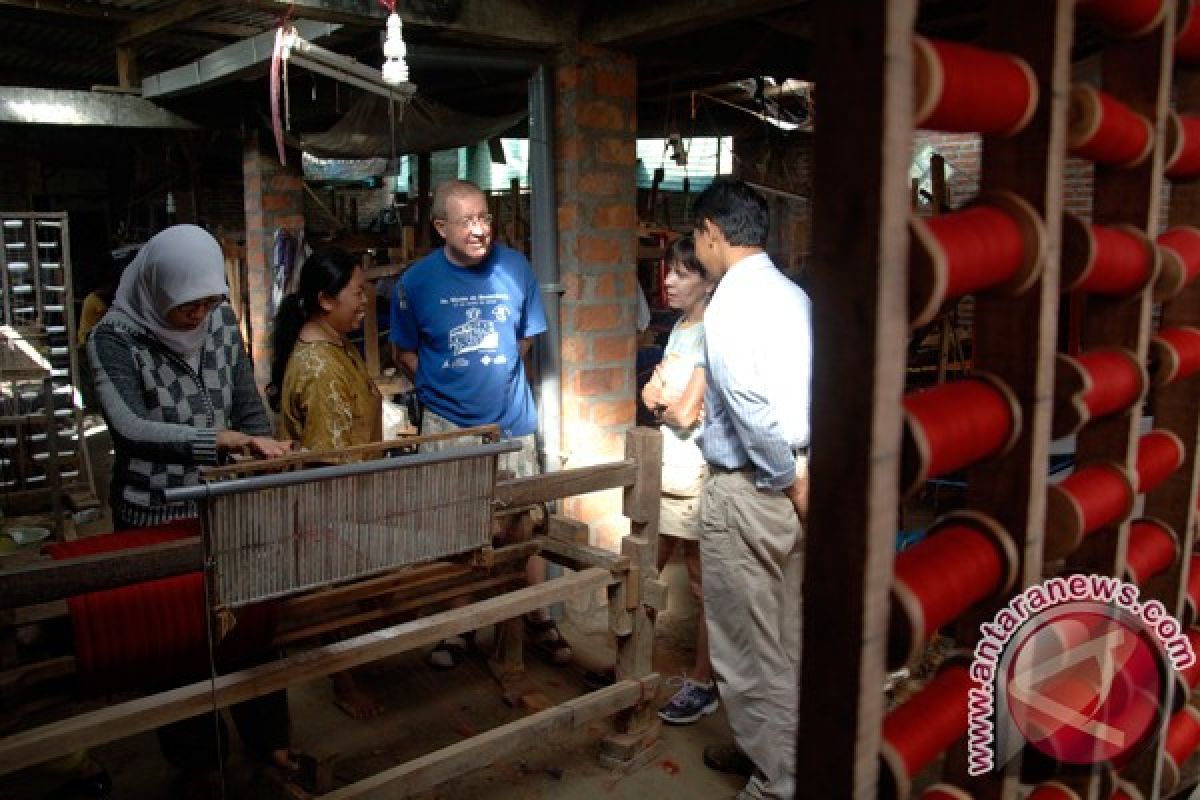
638, 23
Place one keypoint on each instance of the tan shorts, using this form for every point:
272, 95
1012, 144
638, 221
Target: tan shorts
679, 517
521, 464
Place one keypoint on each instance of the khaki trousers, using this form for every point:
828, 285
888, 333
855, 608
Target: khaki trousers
751, 552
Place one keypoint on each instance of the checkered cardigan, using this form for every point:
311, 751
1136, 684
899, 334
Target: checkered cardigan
164, 416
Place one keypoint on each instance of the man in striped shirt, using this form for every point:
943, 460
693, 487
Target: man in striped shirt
755, 439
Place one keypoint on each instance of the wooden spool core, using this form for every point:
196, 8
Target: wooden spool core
1072, 384
909, 626
1080, 259
929, 267
1086, 110
1066, 520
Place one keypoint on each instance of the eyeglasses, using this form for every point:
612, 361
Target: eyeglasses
466, 223
205, 304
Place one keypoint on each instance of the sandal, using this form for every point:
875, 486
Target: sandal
448, 654
547, 640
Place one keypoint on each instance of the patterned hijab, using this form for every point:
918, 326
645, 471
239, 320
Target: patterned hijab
178, 265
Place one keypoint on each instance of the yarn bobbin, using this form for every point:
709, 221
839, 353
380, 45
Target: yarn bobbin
966, 89
1181, 148
965, 557
1153, 547
950, 426
1109, 260
1180, 246
1174, 354
947, 257
1102, 129
1095, 495
1183, 737
1095, 384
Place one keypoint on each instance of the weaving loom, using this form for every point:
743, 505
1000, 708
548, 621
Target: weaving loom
271, 535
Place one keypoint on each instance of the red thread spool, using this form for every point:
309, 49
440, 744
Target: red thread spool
1192, 600
950, 426
1182, 159
151, 634
1159, 453
1187, 39
1052, 791
1183, 737
944, 791
917, 732
1093, 496
1098, 259
1092, 385
965, 557
996, 244
1101, 128
968, 89
1126, 17
1180, 260
1187, 678
1175, 354
1152, 548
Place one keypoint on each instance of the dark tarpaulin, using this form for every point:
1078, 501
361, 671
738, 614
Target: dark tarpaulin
422, 126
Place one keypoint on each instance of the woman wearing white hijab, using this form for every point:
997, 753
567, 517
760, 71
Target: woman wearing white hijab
175, 384
172, 376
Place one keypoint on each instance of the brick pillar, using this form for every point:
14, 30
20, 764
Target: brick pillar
274, 199
595, 154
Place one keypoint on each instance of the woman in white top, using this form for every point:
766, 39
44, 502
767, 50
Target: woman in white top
675, 393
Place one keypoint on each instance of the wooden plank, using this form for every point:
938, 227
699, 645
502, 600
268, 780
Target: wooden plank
125, 719
565, 483
486, 748
860, 248
640, 23
582, 556
17, 678
566, 529
58, 579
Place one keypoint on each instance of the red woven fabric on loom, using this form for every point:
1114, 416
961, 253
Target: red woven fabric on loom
151, 634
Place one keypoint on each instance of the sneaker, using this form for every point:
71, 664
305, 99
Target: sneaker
692, 701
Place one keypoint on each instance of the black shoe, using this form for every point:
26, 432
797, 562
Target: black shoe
728, 758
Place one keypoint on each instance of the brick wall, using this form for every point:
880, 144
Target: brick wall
595, 155
274, 197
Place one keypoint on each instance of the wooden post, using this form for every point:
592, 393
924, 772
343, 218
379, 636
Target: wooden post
1015, 337
371, 323
424, 201
637, 730
860, 243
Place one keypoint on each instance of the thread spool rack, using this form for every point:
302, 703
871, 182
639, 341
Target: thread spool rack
863, 605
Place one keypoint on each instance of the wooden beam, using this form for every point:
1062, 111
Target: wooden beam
119, 16
582, 556
860, 244
57, 579
566, 483
168, 17
125, 719
515, 737
515, 21
638, 23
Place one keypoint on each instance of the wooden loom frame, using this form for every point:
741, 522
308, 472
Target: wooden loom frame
862, 151
630, 579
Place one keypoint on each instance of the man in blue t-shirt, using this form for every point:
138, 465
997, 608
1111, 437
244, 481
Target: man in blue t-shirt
463, 321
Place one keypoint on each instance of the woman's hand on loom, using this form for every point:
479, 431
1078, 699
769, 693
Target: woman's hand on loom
257, 446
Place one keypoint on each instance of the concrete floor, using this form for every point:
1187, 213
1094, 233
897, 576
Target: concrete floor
427, 709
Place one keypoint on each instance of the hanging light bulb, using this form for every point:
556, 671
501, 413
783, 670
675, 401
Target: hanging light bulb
395, 70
